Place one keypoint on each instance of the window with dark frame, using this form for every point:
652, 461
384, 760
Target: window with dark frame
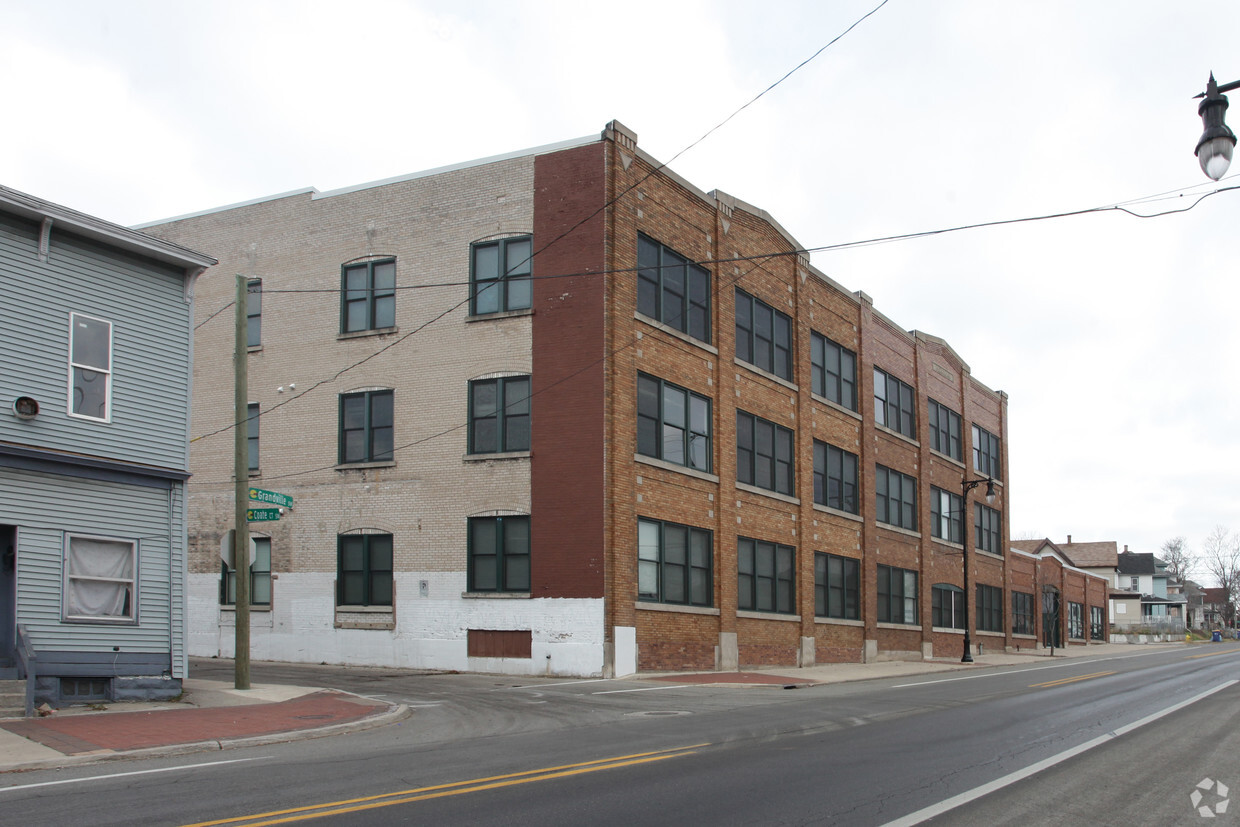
835, 478
1076, 620
763, 335
1096, 630
1022, 614
945, 430
674, 563
894, 405
895, 496
833, 371
765, 576
499, 275
251, 434
946, 606
672, 290
988, 529
254, 313
673, 424
837, 586
989, 608
366, 427
499, 554
986, 453
368, 296
764, 454
897, 595
499, 415
260, 576
946, 515
364, 570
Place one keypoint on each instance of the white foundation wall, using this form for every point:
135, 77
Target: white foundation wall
431, 631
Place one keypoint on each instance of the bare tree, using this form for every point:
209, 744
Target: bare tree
1220, 556
1179, 562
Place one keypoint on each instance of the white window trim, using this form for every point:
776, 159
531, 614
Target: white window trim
132, 618
107, 418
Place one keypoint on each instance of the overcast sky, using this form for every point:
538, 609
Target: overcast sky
1114, 336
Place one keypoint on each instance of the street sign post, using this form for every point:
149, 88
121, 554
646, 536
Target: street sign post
261, 515
271, 497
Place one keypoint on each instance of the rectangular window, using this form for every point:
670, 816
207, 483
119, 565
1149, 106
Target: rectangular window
763, 454
100, 579
1022, 613
835, 477
251, 434
499, 415
946, 515
364, 570
499, 554
837, 586
893, 404
986, 453
260, 576
368, 296
1134, 584
672, 290
987, 527
945, 430
674, 563
989, 609
947, 606
1096, 630
1076, 621
896, 498
254, 312
834, 371
500, 275
366, 427
897, 595
765, 576
673, 424
90, 368
763, 336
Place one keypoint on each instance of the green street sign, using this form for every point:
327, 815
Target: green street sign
262, 515
272, 497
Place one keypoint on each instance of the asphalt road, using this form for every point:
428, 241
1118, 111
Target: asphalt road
493, 750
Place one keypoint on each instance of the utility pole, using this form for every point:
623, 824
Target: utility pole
241, 471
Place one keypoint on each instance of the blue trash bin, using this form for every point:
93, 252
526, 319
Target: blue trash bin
1217, 638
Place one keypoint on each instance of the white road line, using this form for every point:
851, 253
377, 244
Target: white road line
561, 683
643, 689
1070, 662
955, 801
128, 774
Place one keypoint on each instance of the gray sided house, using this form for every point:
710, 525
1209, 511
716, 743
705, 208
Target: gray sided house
95, 370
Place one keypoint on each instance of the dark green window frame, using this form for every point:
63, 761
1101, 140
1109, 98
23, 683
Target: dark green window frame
764, 454
986, 453
946, 606
251, 435
364, 570
946, 515
766, 576
254, 313
368, 296
894, 405
1076, 621
499, 415
492, 291
1096, 628
895, 496
837, 586
672, 290
988, 529
366, 427
1022, 614
835, 478
260, 576
833, 371
673, 424
763, 336
945, 430
499, 554
989, 608
897, 596
674, 563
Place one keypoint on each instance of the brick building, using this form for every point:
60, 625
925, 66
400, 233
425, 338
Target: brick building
678, 445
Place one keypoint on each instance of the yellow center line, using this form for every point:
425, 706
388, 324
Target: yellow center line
1212, 654
1063, 681
454, 788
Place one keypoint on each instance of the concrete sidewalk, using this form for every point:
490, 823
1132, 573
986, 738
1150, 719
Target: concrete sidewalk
212, 715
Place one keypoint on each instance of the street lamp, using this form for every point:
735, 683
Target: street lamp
1217, 141
966, 486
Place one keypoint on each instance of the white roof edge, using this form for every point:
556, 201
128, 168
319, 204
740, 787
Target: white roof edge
259, 200
1062, 562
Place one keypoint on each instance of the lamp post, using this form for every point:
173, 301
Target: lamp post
966, 486
1215, 146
